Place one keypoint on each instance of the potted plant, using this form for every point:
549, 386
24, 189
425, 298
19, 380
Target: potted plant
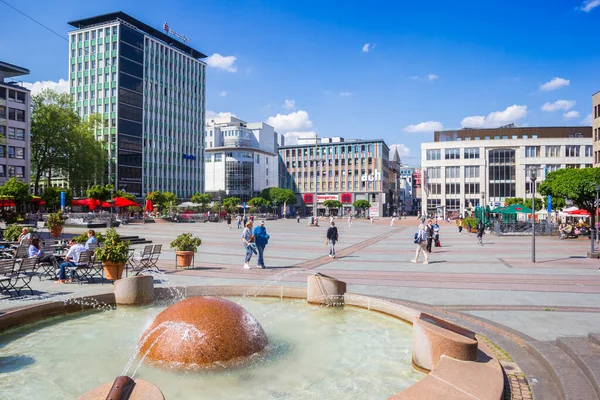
55, 223
114, 254
185, 246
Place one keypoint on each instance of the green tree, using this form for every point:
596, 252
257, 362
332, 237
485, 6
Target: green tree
231, 204
16, 190
258, 202
576, 185
203, 199
278, 196
509, 201
557, 203
539, 203
51, 196
170, 199
332, 204
100, 192
362, 205
157, 198
62, 144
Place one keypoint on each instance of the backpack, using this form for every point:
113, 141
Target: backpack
417, 238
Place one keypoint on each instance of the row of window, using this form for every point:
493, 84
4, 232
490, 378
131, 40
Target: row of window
93, 65
470, 171
451, 138
13, 152
13, 95
14, 114
329, 150
101, 48
96, 33
530, 152
93, 94
13, 133
13, 171
333, 186
453, 188
332, 163
330, 173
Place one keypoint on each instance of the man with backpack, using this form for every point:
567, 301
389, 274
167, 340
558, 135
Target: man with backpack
420, 239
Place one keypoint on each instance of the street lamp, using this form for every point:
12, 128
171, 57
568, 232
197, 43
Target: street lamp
595, 216
533, 177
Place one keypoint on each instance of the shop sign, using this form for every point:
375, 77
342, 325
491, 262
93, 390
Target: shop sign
172, 32
323, 197
375, 176
374, 210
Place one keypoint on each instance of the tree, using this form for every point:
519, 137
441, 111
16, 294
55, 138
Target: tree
162, 200
99, 192
62, 144
362, 205
557, 203
231, 203
332, 204
538, 204
170, 199
576, 185
258, 202
509, 201
16, 190
51, 196
203, 199
278, 196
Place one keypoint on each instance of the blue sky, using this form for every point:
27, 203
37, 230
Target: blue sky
390, 70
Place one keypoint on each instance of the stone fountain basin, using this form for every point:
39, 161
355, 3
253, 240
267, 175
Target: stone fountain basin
454, 379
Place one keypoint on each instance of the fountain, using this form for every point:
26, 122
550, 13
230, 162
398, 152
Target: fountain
202, 331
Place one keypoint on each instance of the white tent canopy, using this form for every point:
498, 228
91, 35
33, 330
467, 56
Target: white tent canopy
189, 204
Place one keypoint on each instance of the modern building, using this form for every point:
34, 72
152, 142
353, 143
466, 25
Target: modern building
241, 157
408, 190
396, 183
15, 124
149, 89
596, 127
344, 170
469, 167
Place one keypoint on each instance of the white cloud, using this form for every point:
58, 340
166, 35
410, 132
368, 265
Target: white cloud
222, 62
211, 115
555, 83
589, 5
297, 121
346, 94
367, 47
587, 120
402, 149
571, 114
565, 105
432, 77
62, 86
428, 126
223, 93
414, 78
289, 104
291, 138
496, 118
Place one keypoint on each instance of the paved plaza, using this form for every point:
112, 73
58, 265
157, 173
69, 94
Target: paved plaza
557, 296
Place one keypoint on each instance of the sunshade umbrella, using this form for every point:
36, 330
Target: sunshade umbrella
123, 202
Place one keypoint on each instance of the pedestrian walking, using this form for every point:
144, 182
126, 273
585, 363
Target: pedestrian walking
436, 235
332, 238
331, 218
298, 217
349, 220
429, 231
238, 219
459, 223
392, 220
480, 232
261, 239
228, 219
248, 240
420, 239
245, 219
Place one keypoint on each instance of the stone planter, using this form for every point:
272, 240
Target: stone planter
135, 290
56, 231
113, 271
184, 258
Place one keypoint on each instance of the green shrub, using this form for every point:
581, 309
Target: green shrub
115, 249
470, 222
84, 237
186, 242
12, 232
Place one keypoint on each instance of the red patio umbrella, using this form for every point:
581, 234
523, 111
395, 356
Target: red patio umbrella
578, 212
123, 202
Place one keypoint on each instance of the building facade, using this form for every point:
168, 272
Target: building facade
15, 125
596, 127
149, 89
337, 170
241, 158
469, 167
408, 190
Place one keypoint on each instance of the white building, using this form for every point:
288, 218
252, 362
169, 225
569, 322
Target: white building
469, 167
241, 158
148, 87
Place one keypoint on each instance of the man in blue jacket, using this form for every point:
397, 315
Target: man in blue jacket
261, 239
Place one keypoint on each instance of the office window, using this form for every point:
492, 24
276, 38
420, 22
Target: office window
452, 154
434, 173
11, 152
552, 168
434, 188
588, 151
572, 151
532, 151
472, 171
471, 152
552, 151
19, 152
452, 188
433, 154
452, 172
471, 188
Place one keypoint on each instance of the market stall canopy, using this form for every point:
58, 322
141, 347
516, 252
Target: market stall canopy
515, 209
189, 204
578, 212
123, 202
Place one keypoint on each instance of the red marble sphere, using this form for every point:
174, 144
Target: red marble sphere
202, 331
